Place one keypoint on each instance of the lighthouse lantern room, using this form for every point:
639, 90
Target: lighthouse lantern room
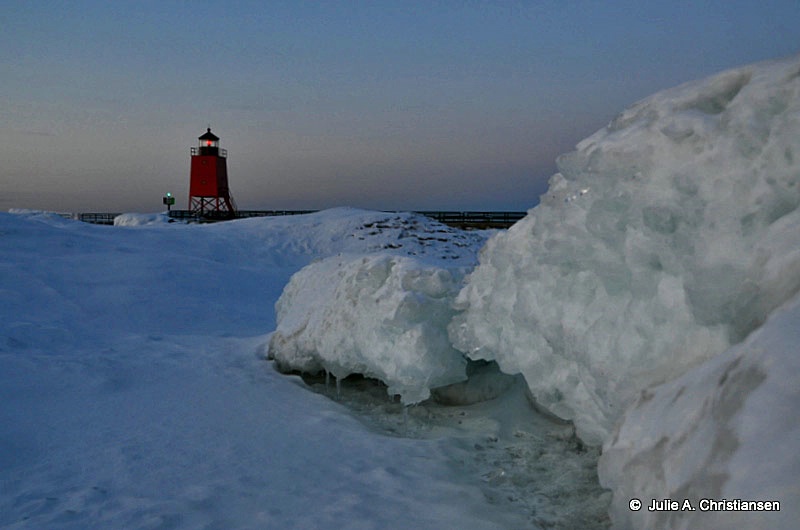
209, 195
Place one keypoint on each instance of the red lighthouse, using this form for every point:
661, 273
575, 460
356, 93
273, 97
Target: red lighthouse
209, 195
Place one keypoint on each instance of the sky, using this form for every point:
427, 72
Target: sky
395, 105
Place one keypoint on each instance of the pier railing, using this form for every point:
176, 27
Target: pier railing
476, 219
453, 218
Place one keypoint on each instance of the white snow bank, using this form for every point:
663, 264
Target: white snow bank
665, 238
294, 240
381, 306
41, 215
724, 430
141, 219
381, 316
234, 258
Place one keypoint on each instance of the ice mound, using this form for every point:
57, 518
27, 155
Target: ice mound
379, 306
296, 239
141, 219
383, 316
664, 238
724, 430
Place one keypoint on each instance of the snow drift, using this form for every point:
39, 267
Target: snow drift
141, 219
133, 396
664, 239
724, 430
383, 315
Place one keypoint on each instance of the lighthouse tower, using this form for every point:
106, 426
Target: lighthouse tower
209, 195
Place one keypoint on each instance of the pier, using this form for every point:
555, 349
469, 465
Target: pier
466, 220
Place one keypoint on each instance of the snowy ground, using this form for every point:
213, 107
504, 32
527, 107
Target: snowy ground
135, 393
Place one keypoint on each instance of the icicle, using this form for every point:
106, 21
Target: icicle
327, 380
338, 389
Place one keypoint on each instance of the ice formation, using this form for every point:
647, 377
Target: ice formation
381, 316
665, 238
379, 308
141, 219
724, 430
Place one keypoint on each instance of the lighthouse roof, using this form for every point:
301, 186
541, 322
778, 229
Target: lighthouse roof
209, 136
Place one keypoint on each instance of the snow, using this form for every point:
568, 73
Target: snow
724, 430
664, 239
380, 316
135, 395
383, 315
141, 219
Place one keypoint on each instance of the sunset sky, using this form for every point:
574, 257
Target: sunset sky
383, 104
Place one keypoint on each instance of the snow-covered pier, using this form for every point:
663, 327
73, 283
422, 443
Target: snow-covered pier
473, 219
